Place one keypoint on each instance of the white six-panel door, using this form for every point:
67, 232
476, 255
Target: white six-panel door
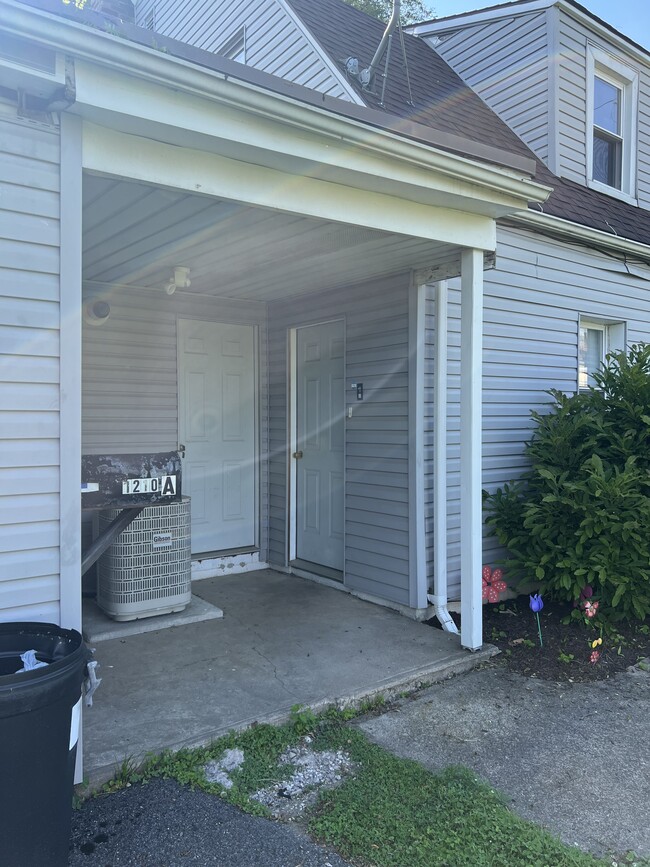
217, 418
319, 452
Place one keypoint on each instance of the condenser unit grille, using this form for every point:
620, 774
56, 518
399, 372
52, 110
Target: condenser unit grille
147, 570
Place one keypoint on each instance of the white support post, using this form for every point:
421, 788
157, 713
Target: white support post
471, 525
70, 373
440, 447
417, 537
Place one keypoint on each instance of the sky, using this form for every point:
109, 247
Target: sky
631, 17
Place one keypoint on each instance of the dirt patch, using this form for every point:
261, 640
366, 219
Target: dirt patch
567, 647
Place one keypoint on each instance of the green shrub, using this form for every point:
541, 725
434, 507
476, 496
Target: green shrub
581, 515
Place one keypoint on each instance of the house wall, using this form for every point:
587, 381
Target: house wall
574, 38
130, 382
275, 42
506, 62
376, 437
533, 301
29, 369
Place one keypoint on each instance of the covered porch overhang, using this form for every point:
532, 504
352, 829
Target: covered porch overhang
272, 195
266, 199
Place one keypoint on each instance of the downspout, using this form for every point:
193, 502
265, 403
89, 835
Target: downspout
439, 596
366, 75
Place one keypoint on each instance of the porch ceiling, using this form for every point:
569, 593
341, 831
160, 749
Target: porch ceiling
134, 234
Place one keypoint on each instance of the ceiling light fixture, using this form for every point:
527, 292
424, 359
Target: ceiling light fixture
180, 279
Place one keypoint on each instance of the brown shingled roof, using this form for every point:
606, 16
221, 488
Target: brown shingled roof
441, 100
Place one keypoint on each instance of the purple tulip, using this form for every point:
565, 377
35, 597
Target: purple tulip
536, 605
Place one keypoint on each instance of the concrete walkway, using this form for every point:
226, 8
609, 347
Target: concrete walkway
282, 641
572, 757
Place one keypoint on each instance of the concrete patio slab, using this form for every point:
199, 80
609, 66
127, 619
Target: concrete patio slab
282, 641
97, 626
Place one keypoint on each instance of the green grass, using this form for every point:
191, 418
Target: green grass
392, 813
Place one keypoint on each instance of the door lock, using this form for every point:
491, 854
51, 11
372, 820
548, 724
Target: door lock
297, 455
181, 450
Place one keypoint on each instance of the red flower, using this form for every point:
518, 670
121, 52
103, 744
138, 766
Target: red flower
493, 584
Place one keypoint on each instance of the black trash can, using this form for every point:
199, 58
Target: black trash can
39, 728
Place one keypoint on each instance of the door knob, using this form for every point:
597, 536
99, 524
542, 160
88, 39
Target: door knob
297, 455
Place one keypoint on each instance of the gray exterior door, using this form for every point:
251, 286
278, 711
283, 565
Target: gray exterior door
217, 427
319, 442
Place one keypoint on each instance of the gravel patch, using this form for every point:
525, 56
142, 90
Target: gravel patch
219, 770
314, 771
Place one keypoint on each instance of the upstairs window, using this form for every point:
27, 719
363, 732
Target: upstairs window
608, 133
611, 134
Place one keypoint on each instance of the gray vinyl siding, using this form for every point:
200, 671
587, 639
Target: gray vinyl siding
533, 301
29, 371
130, 380
572, 101
376, 437
506, 62
275, 43
574, 125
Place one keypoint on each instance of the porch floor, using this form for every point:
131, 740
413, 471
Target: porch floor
282, 641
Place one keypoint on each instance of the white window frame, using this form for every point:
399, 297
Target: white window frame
614, 338
609, 69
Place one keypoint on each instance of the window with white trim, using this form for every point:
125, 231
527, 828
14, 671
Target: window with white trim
596, 338
612, 96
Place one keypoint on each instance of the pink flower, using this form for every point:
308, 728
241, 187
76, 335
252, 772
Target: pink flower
595, 656
591, 609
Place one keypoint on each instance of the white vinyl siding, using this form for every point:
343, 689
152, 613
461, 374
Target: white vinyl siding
274, 41
530, 346
506, 62
376, 437
130, 390
29, 371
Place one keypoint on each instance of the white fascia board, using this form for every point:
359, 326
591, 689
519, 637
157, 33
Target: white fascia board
128, 156
327, 63
549, 224
357, 156
454, 22
350, 140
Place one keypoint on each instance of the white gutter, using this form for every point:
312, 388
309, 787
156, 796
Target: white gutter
165, 69
577, 232
439, 597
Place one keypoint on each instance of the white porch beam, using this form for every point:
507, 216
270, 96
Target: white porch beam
128, 156
471, 525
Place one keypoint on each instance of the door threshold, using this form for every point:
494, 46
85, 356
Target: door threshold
226, 563
317, 569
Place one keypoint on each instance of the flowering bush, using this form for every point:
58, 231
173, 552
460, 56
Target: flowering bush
581, 515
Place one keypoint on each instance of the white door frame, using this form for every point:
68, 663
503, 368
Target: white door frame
256, 409
293, 431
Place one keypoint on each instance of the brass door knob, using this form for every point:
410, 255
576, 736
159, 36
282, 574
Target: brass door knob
297, 455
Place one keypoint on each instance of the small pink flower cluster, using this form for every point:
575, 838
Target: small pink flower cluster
590, 608
493, 584
595, 654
